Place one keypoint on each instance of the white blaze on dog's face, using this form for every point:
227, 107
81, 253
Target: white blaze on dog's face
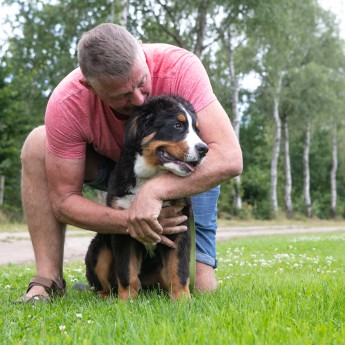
171, 142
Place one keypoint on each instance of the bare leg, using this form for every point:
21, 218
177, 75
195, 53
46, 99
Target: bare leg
47, 233
205, 278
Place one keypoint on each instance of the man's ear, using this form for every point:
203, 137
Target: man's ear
85, 83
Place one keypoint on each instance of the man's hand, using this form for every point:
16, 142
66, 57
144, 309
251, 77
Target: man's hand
171, 219
148, 222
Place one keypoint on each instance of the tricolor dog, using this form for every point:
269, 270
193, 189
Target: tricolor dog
161, 137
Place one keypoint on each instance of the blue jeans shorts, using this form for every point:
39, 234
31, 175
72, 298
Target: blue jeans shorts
204, 208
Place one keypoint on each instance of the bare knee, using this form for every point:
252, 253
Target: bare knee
205, 278
34, 146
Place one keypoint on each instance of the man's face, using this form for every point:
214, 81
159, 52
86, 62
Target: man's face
123, 95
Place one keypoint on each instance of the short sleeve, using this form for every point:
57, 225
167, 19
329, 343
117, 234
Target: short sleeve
64, 135
193, 83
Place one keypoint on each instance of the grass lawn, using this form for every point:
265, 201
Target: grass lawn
287, 289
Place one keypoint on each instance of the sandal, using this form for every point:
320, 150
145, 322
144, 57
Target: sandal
52, 288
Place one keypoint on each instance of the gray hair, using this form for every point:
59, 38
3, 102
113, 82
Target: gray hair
108, 50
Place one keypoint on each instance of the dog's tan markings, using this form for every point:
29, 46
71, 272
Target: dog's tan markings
131, 292
178, 203
178, 150
182, 118
170, 279
133, 128
102, 268
147, 139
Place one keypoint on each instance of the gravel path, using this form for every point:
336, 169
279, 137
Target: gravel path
16, 248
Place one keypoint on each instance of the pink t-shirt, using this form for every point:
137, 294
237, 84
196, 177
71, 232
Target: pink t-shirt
76, 117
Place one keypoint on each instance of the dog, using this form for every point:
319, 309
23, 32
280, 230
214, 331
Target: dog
160, 137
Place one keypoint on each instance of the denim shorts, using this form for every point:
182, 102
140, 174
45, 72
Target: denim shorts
204, 209
205, 216
105, 166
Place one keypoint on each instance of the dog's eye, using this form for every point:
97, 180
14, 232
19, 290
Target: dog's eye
178, 125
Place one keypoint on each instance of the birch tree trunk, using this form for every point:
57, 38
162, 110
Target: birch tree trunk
124, 12
201, 25
287, 166
102, 196
276, 145
123, 15
2, 189
237, 199
334, 171
306, 172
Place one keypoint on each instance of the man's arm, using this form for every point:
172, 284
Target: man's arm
65, 181
223, 161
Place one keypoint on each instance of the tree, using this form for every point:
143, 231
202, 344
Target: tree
41, 51
292, 45
286, 29
12, 129
233, 36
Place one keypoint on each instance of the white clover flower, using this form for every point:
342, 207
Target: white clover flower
282, 256
62, 328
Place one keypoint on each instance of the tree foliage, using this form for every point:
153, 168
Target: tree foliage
266, 38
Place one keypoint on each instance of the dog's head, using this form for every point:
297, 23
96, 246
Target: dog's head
165, 134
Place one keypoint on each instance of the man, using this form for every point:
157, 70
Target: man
83, 136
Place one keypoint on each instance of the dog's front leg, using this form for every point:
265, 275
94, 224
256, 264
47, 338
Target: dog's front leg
175, 270
128, 258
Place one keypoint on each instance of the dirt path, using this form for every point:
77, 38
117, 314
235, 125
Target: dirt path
16, 248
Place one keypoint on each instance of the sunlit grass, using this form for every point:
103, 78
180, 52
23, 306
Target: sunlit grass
283, 221
273, 290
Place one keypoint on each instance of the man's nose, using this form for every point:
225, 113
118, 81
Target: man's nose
137, 98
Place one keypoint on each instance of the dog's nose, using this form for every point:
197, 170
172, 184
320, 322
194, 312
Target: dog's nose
202, 149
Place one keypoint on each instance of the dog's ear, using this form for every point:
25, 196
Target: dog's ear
186, 104
138, 125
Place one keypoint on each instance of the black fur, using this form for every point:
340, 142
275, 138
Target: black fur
156, 117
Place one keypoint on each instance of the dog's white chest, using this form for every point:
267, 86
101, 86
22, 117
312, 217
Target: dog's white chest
124, 202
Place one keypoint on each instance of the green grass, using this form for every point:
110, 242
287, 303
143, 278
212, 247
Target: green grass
282, 221
273, 290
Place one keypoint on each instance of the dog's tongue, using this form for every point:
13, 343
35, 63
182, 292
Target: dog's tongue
186, 166
189, 167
